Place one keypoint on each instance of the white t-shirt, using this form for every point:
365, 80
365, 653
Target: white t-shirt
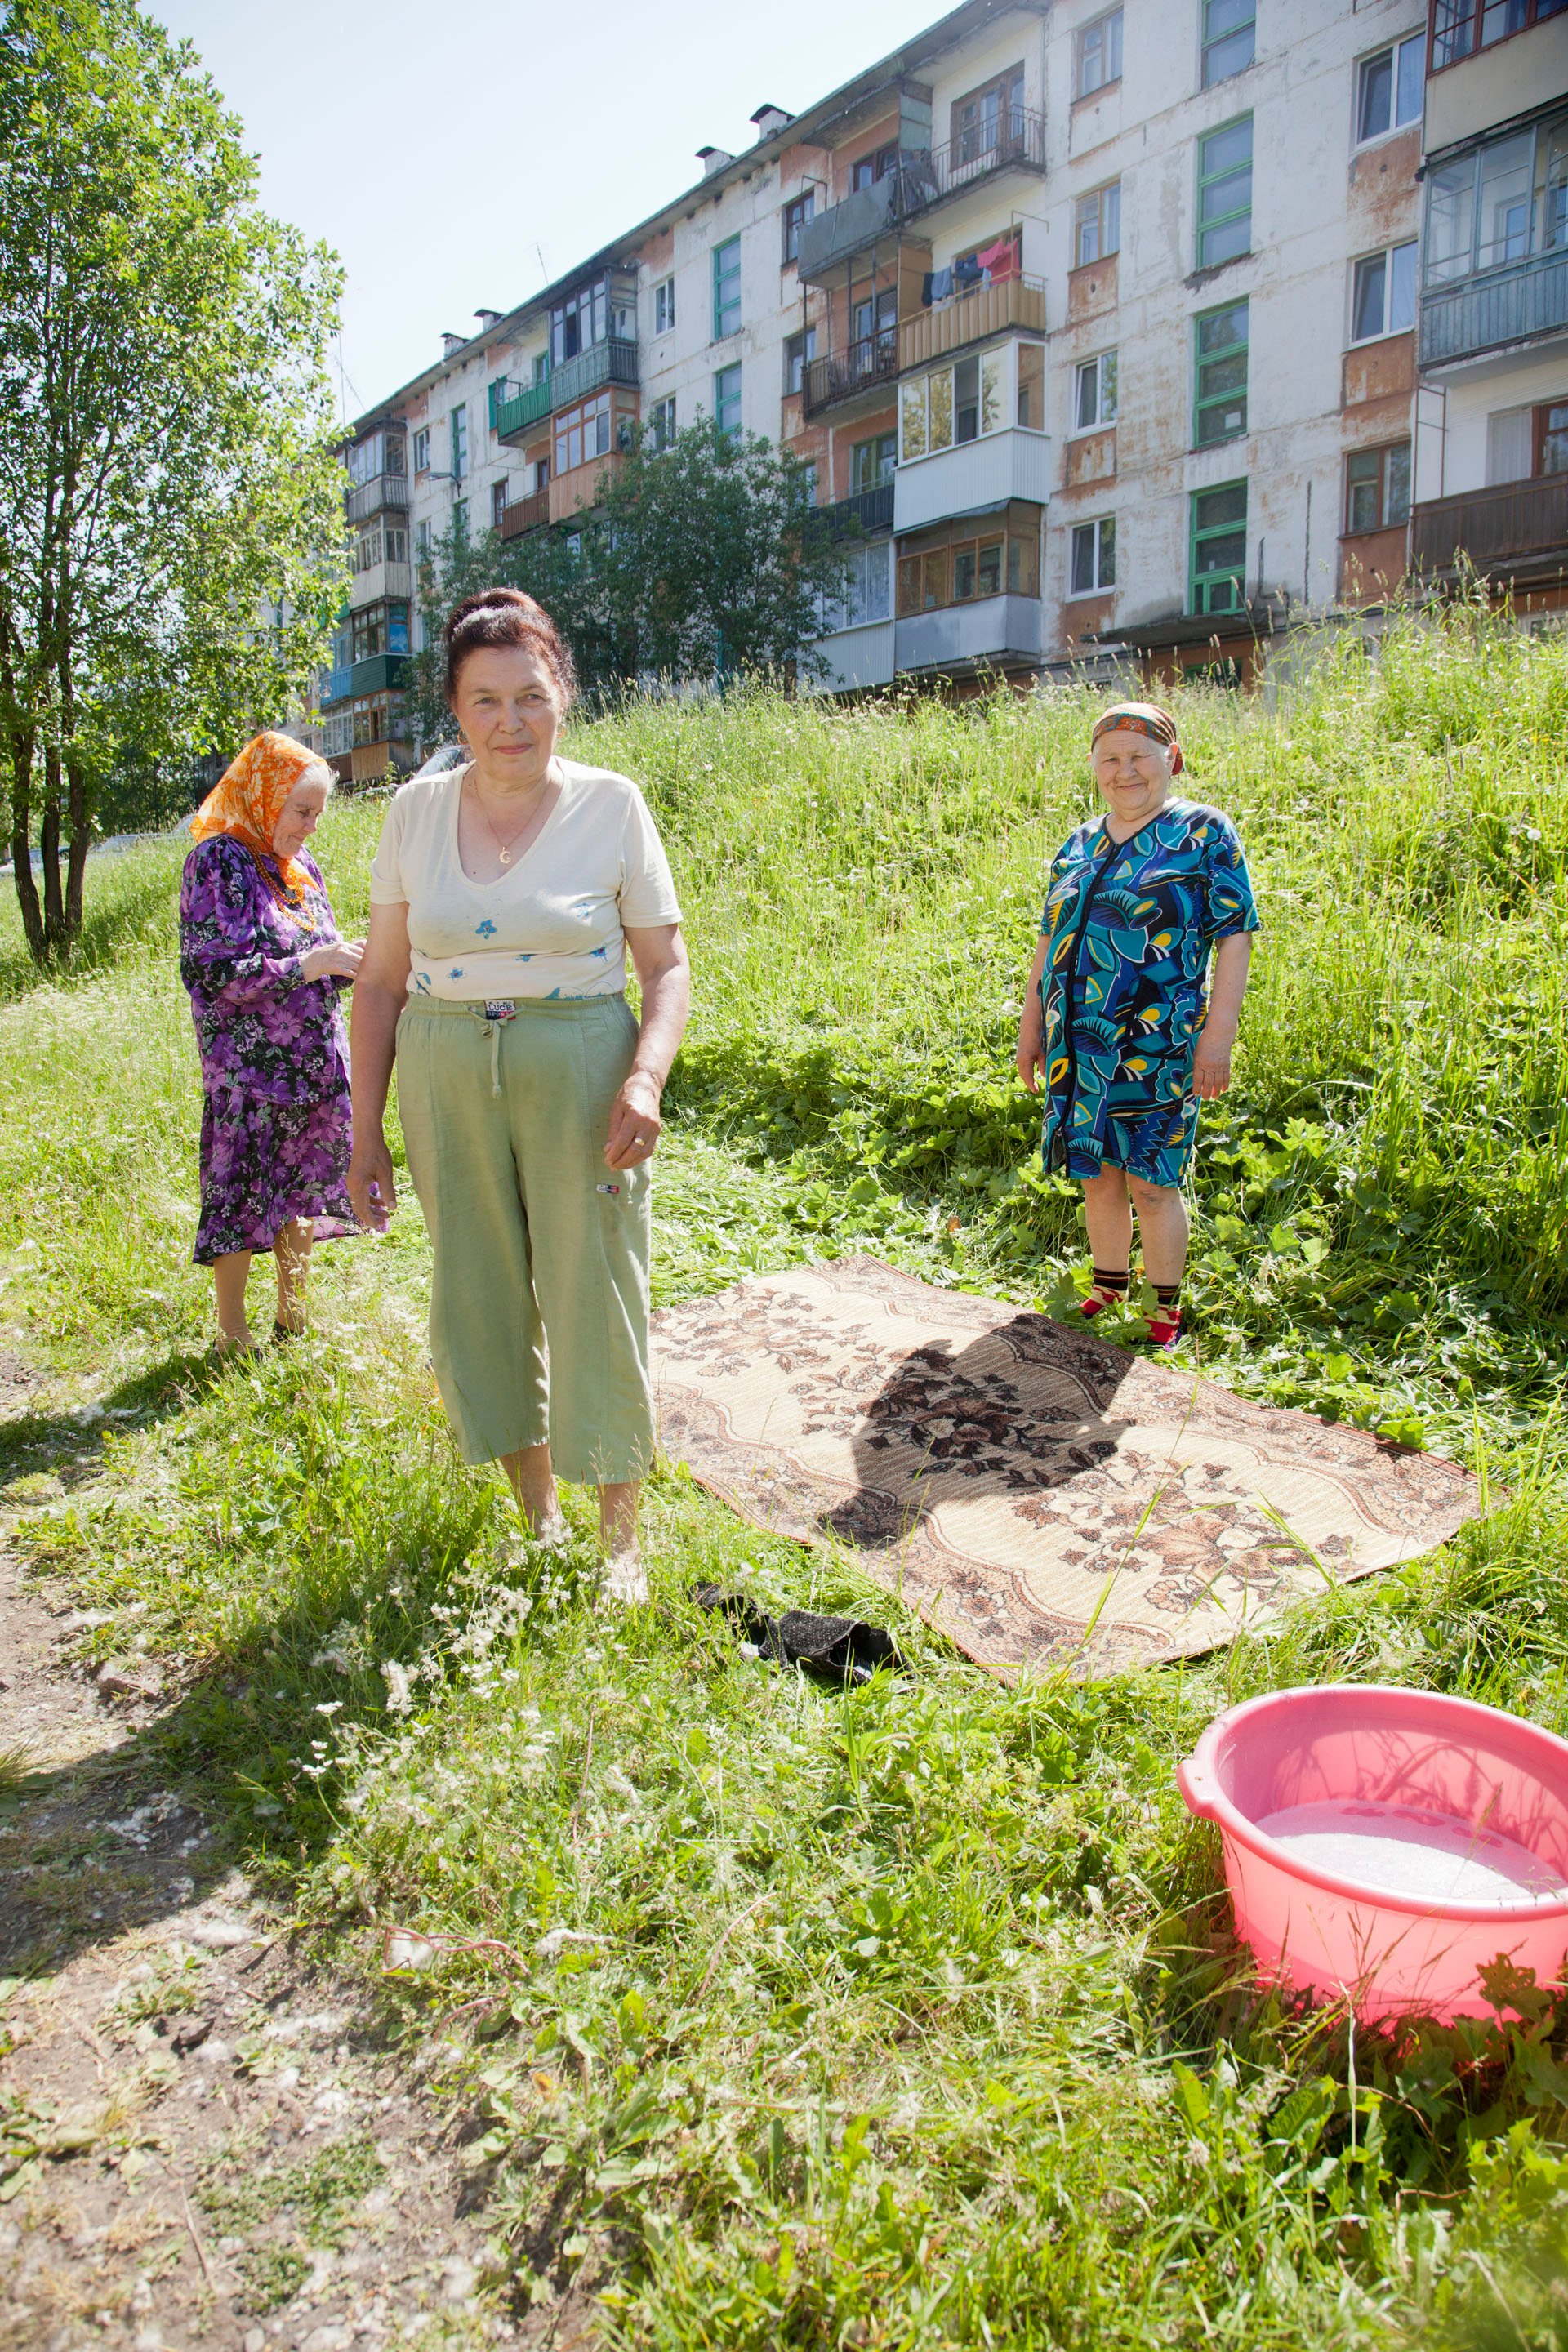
550, 925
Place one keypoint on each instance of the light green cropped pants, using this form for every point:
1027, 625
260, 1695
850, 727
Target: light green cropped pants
539, 1304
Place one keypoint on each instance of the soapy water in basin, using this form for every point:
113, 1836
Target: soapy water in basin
1395, 1850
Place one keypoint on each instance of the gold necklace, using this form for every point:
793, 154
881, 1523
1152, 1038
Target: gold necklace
503, 848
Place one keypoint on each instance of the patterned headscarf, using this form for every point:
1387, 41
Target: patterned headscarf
1140, 719
248, 801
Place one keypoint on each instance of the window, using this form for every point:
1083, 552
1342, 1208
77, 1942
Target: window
1230, 32
1093, 556
799, 351
872, 462
497, 390
1217, 569
874, 327
726, 288
1100, 53
964, 562
1455, 29
664, 306
422, 450
1382, 293
727, 399
1096, 223
383, 543
953, 403
459, 424
1500, 204
380, 629
1377, 488
661, 422
582, 433
1032, 387
808, 481
869, 169
1220, 358
1389, 88
1094, 401
989, 119
381, 452
797, 212
1225, 192
422, 542
498, 505
459, 521
542, 473
1552, 439
868, 589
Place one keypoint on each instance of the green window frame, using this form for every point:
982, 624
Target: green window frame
1231, 38
1225, 192
727, 398
726, 288
459, 424
1216, 560
1219, 374
495, 392
872, 462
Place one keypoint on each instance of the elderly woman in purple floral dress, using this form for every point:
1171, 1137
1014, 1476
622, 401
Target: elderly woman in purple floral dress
260, 955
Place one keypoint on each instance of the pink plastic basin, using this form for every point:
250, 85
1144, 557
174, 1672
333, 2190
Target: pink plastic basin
1384, 1846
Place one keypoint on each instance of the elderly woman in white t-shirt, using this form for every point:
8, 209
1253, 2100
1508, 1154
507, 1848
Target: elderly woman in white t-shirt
504, 896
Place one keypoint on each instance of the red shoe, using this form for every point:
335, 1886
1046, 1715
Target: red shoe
1164, 1327
1099, 1299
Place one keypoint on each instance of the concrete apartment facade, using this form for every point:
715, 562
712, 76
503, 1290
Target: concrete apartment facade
1098, 325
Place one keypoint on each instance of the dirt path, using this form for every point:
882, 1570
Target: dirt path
200, 2142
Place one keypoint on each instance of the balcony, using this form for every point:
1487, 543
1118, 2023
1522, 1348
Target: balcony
1521, 524
1521, 304
971, 318
613, 361
858, 516
379, 580
922, 179
845, 375
1012, 464
992, 633
855, 658
362, 499
521, 409
525, 514
338, 686
581, 487
378, 674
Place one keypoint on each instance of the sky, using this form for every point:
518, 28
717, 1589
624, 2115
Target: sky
461, 154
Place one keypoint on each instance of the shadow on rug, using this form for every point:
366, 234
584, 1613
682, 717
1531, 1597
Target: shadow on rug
1042, 1497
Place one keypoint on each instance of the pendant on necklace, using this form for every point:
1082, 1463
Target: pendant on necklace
505, 856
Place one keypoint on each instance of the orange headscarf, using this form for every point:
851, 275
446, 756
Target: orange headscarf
246, 802
1140, 719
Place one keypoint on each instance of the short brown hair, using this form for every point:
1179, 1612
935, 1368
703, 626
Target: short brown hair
505, 616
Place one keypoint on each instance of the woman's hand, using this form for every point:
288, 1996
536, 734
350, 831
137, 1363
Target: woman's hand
372, 1190
1031, 1057
1211, 1058
338, 960
636, 1123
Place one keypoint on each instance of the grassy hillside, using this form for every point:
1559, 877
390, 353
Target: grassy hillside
908, 2017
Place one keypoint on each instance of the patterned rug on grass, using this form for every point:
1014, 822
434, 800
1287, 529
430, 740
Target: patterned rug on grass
1042, 1496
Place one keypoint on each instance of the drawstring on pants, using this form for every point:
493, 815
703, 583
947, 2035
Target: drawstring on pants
492, 1031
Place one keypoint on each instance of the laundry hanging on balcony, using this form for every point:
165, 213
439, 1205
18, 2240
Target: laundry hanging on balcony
936, 286
1001, 260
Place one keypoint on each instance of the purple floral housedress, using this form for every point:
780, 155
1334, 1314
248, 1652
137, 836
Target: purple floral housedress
276, 1124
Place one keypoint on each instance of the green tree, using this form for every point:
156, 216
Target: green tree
170, 517
703, 561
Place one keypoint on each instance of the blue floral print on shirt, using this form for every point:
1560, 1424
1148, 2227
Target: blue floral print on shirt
1131, 926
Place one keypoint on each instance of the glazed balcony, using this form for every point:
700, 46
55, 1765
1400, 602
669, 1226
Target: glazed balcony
376, 674
1521, 524
1522, 304
845, 375
1012, 302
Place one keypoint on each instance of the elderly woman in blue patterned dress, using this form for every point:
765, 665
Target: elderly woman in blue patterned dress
1121, 1017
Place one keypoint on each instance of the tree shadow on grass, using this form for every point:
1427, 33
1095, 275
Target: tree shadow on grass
69, 1443
129, 901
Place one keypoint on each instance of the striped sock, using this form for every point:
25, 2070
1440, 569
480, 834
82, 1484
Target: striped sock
1165, 1323
1107, 1290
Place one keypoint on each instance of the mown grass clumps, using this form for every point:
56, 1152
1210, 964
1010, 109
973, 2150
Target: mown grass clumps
909, 2015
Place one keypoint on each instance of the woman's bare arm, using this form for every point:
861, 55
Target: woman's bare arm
1031, 1022
664, 976
1211, 1057
380, 993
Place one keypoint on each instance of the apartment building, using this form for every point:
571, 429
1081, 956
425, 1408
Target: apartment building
1098, 325
1491, 443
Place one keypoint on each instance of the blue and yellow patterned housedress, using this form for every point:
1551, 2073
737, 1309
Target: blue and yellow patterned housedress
1131, 926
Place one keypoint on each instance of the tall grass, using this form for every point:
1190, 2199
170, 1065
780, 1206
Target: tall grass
906, 2017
